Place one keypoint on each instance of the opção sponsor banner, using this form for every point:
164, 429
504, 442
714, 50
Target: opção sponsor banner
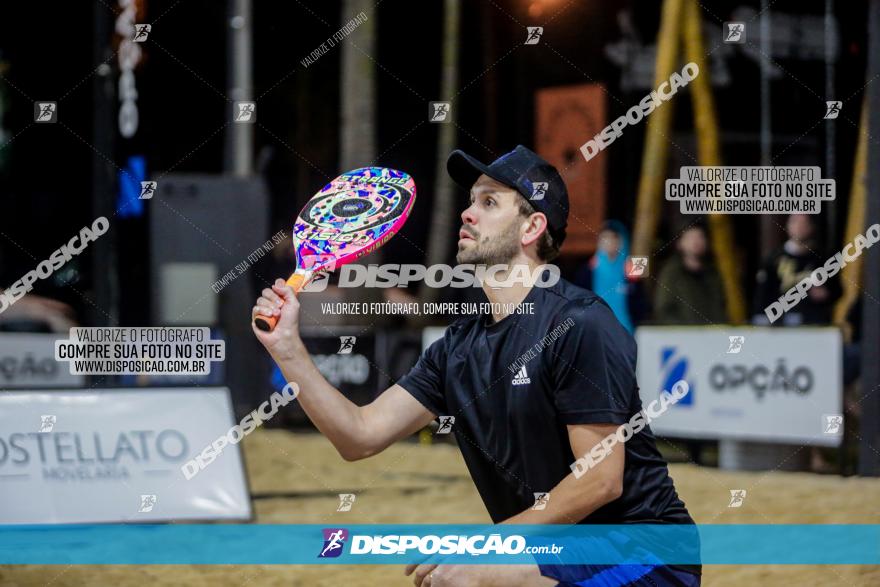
741, 394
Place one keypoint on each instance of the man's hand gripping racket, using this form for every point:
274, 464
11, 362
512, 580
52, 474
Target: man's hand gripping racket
350, 217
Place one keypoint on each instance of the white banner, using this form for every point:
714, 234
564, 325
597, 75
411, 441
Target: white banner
761, 384
28, 360
115, 455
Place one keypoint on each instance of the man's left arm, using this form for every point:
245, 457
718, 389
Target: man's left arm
570, 501
573, 499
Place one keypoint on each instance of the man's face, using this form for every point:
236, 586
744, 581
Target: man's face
692, 242
609, 242
490, 234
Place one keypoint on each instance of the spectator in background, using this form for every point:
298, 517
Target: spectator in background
33, 313
37, 314
689, 288
607, 274
781, 271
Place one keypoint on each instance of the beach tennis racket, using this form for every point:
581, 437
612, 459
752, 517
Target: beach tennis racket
350, 217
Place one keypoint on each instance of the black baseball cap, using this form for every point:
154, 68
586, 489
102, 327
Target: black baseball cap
524, 171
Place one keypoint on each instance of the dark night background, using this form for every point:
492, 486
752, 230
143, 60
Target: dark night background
45, 189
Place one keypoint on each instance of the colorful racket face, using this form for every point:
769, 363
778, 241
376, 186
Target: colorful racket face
350, 217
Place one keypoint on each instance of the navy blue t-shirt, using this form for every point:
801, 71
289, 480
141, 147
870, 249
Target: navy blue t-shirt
510, 424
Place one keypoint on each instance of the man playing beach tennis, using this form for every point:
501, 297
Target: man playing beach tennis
521, 418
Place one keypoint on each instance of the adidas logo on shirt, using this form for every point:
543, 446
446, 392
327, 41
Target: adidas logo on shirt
521, 377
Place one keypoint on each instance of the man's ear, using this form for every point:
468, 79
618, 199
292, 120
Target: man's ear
536, 224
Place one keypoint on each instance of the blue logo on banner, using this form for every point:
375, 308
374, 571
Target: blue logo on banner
334, 540
674, 369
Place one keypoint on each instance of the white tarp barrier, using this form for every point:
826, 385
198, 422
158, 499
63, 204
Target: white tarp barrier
115, 455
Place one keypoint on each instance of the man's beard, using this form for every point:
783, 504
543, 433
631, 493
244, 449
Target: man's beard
491, 251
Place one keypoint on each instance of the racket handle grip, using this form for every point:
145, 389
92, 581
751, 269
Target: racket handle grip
267, 323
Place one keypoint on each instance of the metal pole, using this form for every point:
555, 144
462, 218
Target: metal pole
769, 235
239, 148
105, 273
766, 131
869, 457
830, 136
443, 217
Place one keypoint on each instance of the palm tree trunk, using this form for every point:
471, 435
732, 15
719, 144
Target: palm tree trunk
357, 125
358, 88
443, 214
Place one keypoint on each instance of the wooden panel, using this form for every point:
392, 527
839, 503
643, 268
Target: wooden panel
566, 117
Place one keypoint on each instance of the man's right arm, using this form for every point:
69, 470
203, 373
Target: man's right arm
355, 431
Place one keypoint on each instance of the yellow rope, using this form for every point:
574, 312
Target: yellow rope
851, 275
709, 154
